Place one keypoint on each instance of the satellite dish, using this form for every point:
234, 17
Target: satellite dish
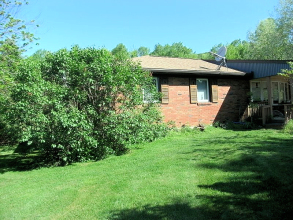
220, 56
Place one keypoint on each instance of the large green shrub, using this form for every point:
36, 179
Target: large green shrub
83, 104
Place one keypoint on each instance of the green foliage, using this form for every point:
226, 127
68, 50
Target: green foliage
229, 125
143, 51
14, 37
263, 43
238, 50
12, 27
9, 60
174, 50
288, 128
288, 73
82, 104
121, 52
284, 21
39, 55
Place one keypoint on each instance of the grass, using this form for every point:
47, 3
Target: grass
215, 174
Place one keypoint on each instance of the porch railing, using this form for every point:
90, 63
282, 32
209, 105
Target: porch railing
263, 111
266, 113
255, 110
288, 112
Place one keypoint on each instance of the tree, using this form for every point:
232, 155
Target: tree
83, 104
238, 50
12, 27
142, 51
284, 20
39, 55
133, 53
121, 52
174, 50
14, 37
267, 42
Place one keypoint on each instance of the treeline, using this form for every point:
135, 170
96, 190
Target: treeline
271, 40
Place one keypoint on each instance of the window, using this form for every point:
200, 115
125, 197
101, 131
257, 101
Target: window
147, 94
264, 91
275, 91
202, 90
282, 97
259, 91
256, 91
280, 92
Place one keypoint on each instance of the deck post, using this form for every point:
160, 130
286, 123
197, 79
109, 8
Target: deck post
263, 113
270, 95
291, 89
286, 113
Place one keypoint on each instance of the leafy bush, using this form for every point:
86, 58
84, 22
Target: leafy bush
83, 104
229, 125
288, 128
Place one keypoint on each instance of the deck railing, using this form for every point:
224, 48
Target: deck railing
266, 113
263, 111
288, 112
255, 110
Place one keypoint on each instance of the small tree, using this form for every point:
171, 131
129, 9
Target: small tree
83, 104
121, 52
14, 37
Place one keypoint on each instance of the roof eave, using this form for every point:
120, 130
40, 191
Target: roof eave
199, 72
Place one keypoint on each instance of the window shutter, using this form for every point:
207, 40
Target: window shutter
193, 91
165, 90
214, 93
214, 86
193, 94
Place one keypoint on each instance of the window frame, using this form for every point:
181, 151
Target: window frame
157, 89
279, 87
285, 92
207, 90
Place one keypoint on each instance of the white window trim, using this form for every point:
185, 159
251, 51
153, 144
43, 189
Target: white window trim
208, 90
157, 87
279, 91
261, 86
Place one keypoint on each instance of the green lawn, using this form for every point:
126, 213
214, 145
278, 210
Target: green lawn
215, 174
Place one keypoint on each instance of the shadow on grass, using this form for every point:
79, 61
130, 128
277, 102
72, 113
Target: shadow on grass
259, 184
20, 158
178, 210
18, 162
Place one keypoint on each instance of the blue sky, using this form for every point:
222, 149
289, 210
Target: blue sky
198, 24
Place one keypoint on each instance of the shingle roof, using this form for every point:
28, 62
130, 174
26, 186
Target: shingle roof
182, 65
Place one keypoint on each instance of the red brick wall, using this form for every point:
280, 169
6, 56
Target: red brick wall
231, 105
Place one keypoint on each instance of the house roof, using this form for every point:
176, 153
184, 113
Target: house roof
260, 68
182, 65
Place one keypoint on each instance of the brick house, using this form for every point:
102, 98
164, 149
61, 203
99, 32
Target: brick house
197, 92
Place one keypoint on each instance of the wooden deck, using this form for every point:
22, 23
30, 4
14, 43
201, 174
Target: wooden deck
279, 113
